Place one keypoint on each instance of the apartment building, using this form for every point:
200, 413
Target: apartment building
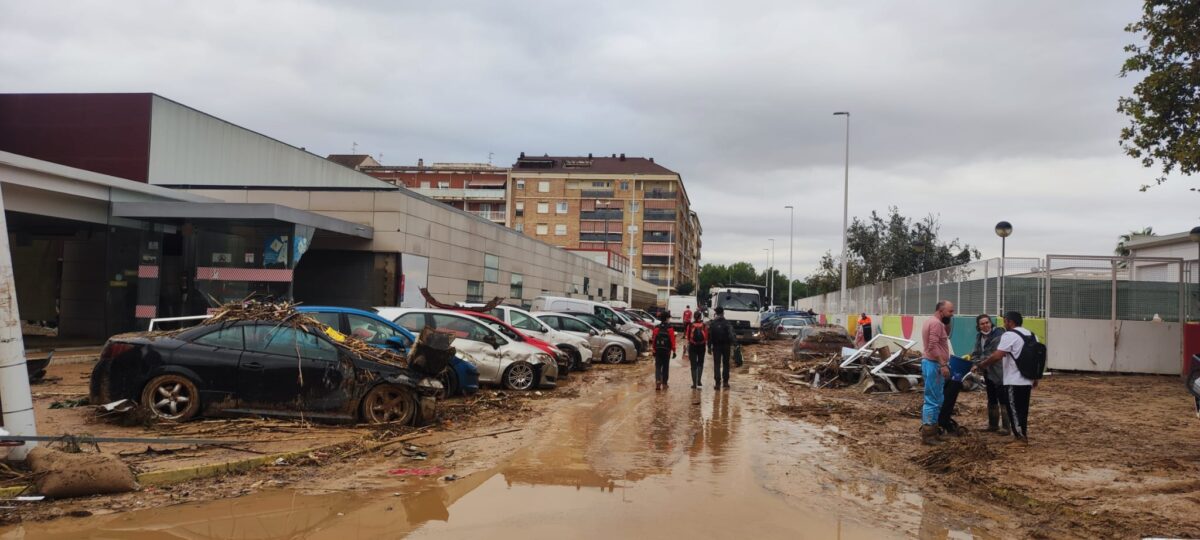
590, 203
478, 188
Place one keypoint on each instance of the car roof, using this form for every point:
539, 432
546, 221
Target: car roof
353, 311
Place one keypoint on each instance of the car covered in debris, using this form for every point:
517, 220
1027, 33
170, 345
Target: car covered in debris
461, 378
785, 327
606, 346
820, 340
576, 348
512, 363
258, 368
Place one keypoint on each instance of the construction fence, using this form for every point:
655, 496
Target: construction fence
1110, 313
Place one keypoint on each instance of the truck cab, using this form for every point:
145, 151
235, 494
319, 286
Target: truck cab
742, 309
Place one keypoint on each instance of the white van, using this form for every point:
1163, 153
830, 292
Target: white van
576, 305
677, 304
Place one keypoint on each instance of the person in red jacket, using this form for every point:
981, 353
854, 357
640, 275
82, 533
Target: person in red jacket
696, 335
664, 350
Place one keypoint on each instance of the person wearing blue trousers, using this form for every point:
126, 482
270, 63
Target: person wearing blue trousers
935, 368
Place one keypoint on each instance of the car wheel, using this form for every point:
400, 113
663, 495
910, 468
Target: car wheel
449, 379
520, 376
171, 397
614, 354
388, 403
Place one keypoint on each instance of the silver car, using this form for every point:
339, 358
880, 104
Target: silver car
606, 346
499, 359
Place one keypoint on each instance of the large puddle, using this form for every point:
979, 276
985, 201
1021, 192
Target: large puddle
620, 462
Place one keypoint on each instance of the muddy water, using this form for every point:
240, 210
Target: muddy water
622, 461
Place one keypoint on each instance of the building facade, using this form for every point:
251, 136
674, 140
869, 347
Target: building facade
628, 205
478, 188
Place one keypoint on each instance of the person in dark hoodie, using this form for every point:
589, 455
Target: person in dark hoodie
986, 340
664, 350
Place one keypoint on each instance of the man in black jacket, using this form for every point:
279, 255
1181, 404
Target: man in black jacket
720, 339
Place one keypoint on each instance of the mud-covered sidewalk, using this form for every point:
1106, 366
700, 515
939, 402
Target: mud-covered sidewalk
1109, 456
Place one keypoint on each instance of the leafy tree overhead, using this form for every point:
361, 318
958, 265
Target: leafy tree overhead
1123, 251
883, 249
685, 288
1164, 111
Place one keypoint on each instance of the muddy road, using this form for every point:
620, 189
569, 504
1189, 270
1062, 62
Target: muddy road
617, 460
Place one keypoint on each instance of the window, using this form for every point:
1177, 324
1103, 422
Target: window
287, 341
413, 322
520, 206
543, 208
572, 325
625, 185
491, 268
520, 184
551, 321
372, 331
443, 184
474, 291
543, 229
543, 187
601, 184
425, 184
572, 184
633, 207
525, 322
461, 327
332, 320
516, 286
560, 207
520, 227
225, 338
560, 229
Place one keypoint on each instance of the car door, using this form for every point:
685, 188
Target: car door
469, 341
214, 358
285, 370
528, 325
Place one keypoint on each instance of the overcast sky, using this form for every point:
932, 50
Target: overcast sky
972, 111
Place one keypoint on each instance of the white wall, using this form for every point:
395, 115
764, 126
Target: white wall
1127, 347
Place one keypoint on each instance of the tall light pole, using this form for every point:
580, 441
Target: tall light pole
791, 245
845, 210
767, 282
633, 229
771, 274
1003, 229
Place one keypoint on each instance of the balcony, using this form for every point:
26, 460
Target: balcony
494, 215
659, 238
655, 260
613, 238
603, 215
659, 215
462, 194
661, 282
657, 194
596, 193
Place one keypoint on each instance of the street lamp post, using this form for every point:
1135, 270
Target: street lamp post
791, 246
1003, 229
771, 275
845, 210
633, 229
767, 281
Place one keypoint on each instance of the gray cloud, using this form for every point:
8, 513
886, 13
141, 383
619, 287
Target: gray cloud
974, 112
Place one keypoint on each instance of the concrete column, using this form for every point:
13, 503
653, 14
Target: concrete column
14, 377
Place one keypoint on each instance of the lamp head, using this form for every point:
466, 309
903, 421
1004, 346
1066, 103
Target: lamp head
1003, 229
1195, 234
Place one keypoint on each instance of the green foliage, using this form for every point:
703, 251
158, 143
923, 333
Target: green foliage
1164, 110
884, 249
712, 275
685, 288
1123, 251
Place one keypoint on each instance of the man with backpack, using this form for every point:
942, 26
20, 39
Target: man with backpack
664, 350
720, 339
696, 335
1024, 360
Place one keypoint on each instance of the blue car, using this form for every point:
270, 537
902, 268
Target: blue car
461, 379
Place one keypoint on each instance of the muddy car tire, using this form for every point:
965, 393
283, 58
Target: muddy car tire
387, 404
614, 354
520, 376
449, 380
171, 397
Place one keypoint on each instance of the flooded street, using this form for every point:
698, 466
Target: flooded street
619, 461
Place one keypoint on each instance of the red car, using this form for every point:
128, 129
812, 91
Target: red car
559, 356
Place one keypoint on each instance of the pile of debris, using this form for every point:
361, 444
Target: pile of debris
885, 364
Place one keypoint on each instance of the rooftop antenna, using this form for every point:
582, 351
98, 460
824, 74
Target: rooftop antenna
490, 154
381, 157
353, 148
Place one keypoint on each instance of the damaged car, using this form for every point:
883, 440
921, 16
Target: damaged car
258, 368
607, 346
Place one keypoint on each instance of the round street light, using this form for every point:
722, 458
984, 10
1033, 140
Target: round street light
1004, 228
1195, 234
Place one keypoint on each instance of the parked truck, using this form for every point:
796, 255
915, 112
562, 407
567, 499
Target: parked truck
677, 305
743, 310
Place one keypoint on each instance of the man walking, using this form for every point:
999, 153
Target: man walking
664, 350
935, 368
1017, 386
720, 339
696, 336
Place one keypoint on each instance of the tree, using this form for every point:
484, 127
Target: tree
685, 288
718, 274
884, 249
1164, 110
1124, 239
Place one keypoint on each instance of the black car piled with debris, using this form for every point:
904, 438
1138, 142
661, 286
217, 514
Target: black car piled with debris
232, 367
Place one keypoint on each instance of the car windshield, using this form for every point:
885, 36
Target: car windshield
738, 300
793, 322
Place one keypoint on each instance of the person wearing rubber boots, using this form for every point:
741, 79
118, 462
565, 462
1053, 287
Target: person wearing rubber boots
935, 368
721, 339
696, 336
986, 340
664, 350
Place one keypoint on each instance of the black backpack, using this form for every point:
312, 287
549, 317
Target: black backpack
662, 339
1032, 361
720, 332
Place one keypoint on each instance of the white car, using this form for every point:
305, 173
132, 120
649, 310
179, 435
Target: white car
563, 304
499, 359
606, 346
575, 346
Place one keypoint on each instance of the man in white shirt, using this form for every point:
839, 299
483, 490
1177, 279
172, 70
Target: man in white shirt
1016, 386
